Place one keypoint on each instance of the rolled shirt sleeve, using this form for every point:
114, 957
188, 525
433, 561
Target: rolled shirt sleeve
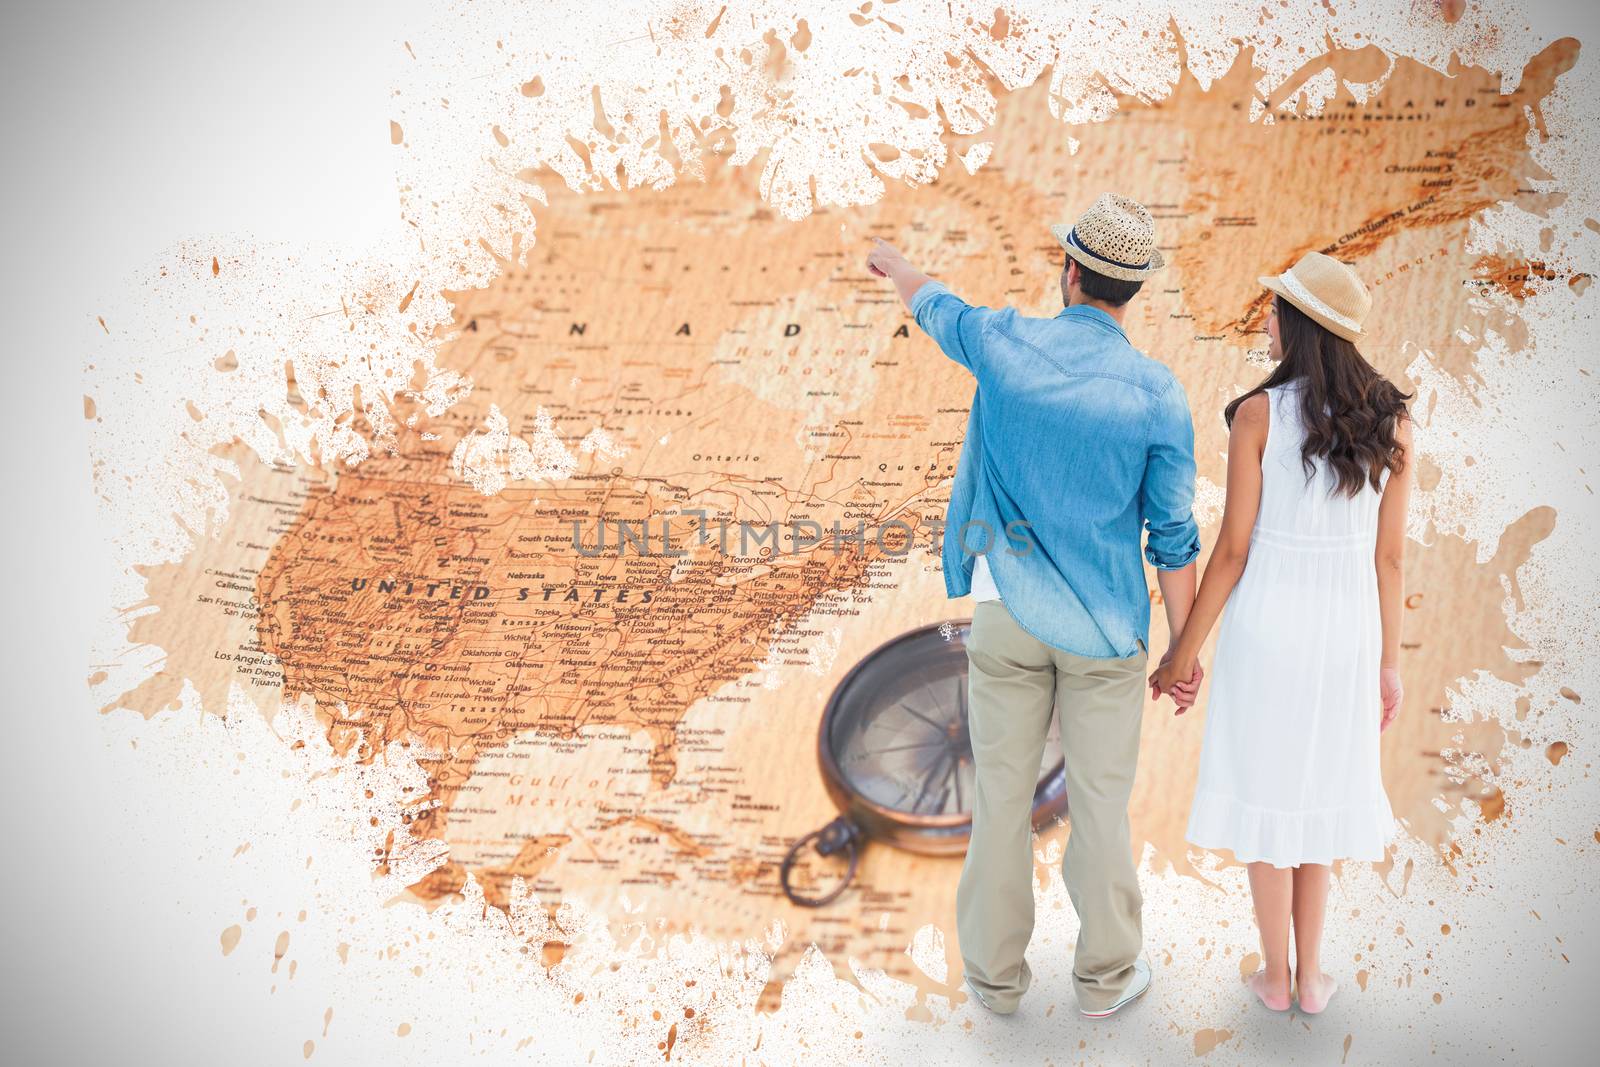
954, 324
1172, 537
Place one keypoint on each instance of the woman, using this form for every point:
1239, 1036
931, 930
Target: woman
1306, 674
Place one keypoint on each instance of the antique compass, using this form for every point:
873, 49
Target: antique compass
896, 758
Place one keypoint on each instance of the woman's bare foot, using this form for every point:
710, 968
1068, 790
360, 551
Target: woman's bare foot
1315, 992
1275, 995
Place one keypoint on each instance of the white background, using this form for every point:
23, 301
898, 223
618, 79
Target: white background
128, 126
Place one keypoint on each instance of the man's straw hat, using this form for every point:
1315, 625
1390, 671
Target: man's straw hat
1115, 237
1325, 289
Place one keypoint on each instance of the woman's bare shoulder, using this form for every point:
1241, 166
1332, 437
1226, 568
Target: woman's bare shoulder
1252, 413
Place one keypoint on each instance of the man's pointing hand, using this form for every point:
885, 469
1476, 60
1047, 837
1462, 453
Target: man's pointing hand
882, 257
885, 261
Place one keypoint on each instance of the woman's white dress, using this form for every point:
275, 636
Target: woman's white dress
1289, 770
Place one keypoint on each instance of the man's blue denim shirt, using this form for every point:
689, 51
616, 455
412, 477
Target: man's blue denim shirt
1085, 440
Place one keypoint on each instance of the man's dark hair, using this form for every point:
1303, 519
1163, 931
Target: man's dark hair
1097, 286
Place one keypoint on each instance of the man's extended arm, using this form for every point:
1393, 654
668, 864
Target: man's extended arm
886, 261
954, 324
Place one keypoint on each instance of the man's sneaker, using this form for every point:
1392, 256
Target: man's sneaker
974, 990
1136, 989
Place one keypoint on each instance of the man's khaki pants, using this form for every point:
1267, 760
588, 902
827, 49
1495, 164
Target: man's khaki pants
1014, 683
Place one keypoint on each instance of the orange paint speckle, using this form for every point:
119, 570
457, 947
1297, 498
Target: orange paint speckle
1492, 804
278, 949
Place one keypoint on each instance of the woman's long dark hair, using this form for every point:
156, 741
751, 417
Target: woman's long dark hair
1349, 410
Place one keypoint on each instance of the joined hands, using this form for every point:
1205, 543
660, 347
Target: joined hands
1180, 681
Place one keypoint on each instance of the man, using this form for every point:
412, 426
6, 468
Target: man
1075, 442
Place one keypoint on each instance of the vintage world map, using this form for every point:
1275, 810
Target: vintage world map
642, 730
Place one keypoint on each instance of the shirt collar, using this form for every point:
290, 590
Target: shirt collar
1092, 314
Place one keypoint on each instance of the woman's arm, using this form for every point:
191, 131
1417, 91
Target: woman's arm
1246, 440
1390, 561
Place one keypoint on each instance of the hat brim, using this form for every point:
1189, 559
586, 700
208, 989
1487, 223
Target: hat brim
1060, 230
1272, 282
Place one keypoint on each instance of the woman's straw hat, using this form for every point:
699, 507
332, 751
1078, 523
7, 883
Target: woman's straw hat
1325, 289
1115, 237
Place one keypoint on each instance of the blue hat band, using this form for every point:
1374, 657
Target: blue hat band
1072, 238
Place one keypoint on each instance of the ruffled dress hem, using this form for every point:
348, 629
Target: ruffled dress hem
1289, 838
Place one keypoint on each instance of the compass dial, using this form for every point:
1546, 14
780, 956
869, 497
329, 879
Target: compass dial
898, 726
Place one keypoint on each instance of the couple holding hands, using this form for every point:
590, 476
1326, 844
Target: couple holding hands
1088, 442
